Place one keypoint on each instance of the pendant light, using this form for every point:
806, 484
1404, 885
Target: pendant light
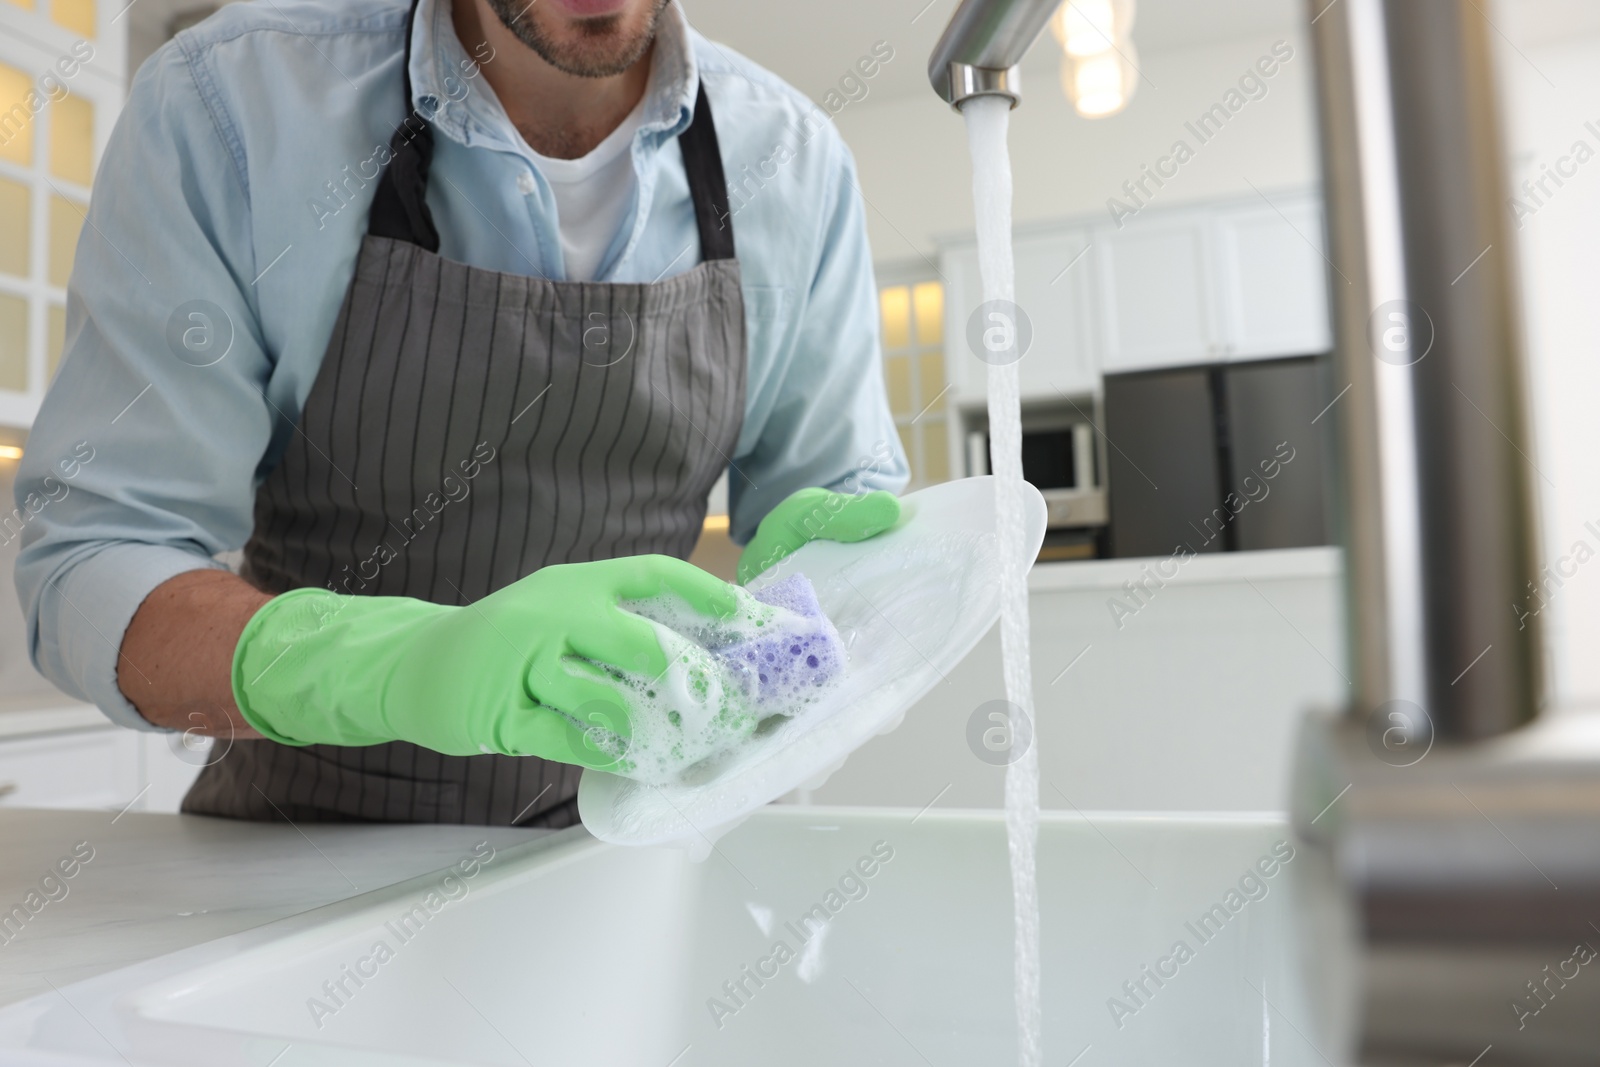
1098, 71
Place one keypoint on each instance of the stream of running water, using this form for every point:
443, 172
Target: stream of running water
987, 118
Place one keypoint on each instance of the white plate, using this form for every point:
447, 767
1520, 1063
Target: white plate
909, 604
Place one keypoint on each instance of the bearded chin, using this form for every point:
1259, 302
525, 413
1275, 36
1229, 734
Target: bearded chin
602, 46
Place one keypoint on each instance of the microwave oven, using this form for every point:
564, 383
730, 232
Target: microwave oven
1061, 459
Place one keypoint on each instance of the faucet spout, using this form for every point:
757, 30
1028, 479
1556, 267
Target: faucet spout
980, 49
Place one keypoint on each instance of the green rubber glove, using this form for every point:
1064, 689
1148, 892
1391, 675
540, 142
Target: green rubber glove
521, 672
816, 515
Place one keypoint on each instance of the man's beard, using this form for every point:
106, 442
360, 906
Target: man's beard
605, 46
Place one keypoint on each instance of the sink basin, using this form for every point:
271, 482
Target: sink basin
810, 936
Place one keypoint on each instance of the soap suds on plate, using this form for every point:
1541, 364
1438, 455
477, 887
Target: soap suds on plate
727, 680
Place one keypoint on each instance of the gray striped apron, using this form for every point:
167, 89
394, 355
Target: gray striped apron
466, 428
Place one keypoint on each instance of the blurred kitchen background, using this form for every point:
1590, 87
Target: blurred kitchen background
1174, 392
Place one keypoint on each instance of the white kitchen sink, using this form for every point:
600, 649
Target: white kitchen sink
568, 951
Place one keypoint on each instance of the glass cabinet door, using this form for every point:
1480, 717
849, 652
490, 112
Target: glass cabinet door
912, 320
61, 85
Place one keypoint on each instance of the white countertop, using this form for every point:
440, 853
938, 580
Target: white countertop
43, 717
1278, 563
159, 883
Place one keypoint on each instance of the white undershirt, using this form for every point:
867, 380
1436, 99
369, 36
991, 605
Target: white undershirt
592, 194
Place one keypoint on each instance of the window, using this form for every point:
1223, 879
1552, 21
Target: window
60, 87
77, 16
913, 369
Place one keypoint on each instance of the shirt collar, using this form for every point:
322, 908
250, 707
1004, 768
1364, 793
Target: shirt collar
449, 90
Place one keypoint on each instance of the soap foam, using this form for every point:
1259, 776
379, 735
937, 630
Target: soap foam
727, 680
893, 610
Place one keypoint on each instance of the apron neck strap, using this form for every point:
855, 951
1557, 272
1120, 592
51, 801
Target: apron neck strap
708, 188
400, 204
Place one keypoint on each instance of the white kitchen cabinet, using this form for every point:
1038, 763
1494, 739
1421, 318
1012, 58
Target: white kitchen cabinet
95, 768
1053, 287
1243, 280
170, 765
1053, 270
1273, 278
70, 756
1148, 715
1157, 305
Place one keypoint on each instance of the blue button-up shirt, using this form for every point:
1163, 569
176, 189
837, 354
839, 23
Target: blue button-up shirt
236, 183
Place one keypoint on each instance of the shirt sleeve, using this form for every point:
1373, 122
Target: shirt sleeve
830, 424
141, 464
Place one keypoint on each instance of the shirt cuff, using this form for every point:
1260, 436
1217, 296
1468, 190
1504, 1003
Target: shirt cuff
86, 610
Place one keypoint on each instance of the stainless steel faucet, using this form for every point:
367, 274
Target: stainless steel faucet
980, 49
1439, 529
1470, 856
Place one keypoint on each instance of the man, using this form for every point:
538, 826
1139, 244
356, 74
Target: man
436, 312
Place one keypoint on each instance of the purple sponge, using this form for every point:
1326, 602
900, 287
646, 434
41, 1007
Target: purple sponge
784, 668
